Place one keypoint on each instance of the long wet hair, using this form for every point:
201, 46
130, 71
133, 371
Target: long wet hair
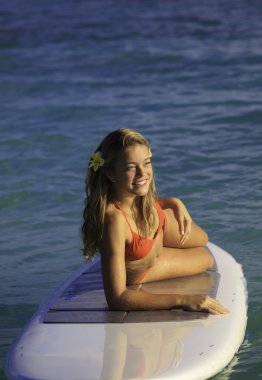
99, 188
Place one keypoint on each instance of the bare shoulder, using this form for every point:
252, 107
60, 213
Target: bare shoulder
113, 218
114, 233
115, 226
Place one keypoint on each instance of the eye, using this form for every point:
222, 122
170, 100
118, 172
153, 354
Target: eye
130, 167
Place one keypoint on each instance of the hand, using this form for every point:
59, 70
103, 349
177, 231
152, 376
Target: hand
205, 304
184, 220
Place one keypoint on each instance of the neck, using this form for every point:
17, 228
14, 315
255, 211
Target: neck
127, 202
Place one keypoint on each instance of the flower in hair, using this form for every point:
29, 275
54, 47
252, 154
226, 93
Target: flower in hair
96, 161
149, 153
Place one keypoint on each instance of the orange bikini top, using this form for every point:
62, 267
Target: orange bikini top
140, 246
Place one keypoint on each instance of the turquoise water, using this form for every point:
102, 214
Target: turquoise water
185, 74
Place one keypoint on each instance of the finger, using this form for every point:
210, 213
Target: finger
217, 309
184, 238
187, 232
188, 224
181, 226
212, 306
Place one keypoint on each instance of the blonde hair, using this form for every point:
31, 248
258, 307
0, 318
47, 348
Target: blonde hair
99, 189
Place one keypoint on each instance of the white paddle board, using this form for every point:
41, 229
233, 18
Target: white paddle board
73, 335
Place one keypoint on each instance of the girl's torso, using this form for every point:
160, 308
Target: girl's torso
141, 253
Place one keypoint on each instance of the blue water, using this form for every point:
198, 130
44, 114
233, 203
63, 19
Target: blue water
187, 74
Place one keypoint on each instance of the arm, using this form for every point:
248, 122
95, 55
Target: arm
181, 214
119, 297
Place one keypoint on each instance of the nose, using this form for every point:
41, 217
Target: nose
140, 171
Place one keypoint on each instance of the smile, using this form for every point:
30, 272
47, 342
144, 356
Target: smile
140, 183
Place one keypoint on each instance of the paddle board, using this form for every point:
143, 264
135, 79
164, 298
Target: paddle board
73, 335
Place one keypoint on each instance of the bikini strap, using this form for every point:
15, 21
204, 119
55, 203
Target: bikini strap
119, 208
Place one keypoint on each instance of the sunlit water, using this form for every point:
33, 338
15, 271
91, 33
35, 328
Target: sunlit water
185, 74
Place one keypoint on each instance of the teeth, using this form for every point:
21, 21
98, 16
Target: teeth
140, 183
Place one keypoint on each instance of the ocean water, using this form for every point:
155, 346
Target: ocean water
186, 74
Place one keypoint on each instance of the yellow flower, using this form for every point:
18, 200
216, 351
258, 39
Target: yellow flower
96, 161
149, 153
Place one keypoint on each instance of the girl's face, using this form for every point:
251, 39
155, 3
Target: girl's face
133, 171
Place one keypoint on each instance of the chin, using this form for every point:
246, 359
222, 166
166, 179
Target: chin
141, 192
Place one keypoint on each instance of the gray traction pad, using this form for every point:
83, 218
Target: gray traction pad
84, 301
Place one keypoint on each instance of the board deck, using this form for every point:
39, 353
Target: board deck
83, 301
74, 336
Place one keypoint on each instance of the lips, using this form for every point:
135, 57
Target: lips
140, 182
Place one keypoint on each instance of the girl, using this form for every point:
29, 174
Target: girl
140, 237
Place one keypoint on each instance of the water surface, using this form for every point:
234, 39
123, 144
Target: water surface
185, 74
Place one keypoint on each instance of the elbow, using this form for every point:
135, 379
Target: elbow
205, 238
118, 303
210, 261
202, 237
116, 306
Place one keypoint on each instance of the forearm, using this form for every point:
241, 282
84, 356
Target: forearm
141, 300
172, 203
181, 214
